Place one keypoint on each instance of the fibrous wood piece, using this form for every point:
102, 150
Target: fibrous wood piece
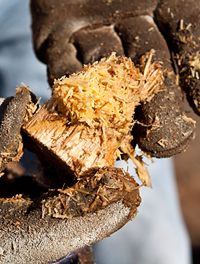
89, 118
78, 146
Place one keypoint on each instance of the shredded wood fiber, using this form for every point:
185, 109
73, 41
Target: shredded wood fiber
104, 96
194, 63
92, 193
88, 121
107, 92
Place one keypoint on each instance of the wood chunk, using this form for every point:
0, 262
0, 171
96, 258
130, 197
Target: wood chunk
88, 121
77, 146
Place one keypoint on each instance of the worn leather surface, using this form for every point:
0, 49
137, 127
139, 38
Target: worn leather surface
67, 34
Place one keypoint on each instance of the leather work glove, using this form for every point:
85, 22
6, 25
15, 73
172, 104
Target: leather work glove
42, 222
67, 34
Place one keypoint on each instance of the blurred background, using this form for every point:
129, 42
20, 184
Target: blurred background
187, 166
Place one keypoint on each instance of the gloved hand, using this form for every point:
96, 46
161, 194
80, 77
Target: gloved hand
67, 34
41, 223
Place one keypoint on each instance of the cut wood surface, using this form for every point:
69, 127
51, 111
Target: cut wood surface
88, 121
78, 146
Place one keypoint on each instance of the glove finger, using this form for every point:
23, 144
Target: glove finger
139, 35
85, 46
13, 111
93, 44
53, 25
164, 129
61, 59
180, 25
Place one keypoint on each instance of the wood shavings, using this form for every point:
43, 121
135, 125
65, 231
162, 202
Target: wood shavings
181, 25
177, 79
188, 27
151, 29
31, 107
141, 170
90, 194
188, 119
147, 156
18, 200
88, 121
192, 42
163, 142
194, 63
107, 92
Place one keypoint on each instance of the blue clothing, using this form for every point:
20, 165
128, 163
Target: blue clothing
18, 62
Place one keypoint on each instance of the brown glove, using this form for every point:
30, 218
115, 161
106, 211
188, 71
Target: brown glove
38, 225
68, 34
